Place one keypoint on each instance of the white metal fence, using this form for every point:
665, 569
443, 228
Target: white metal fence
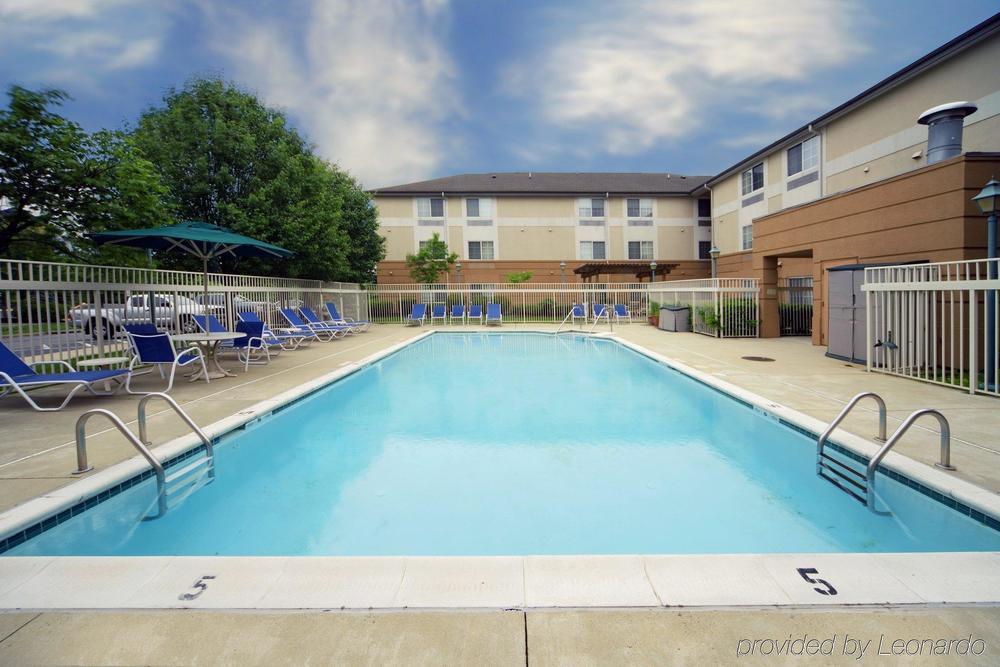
527, 302
930, 322
795, 306
721, 307
51, 311
59, 311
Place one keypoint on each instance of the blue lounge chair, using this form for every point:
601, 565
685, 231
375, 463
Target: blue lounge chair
439, 311
622, 313
359, 325
297, 325
282, 340
475, 313
493, 314
600, 311
314, 320
578, 313
17, 376
458, 313
252, 346
211, 324
417, 315
158, 349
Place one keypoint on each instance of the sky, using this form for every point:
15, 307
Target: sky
402, 90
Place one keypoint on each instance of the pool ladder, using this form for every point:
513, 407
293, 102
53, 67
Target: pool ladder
171, 489
860, 484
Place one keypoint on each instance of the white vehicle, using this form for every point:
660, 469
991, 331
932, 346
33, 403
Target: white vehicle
170, 312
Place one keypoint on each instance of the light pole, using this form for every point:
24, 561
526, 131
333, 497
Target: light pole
714, 254
458, 268
562, 272
652, 272
988, 201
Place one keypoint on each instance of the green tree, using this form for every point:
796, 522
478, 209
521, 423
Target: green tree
431, 261
59, 182
519, 277
229, 160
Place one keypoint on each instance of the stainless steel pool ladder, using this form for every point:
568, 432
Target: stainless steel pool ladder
861, 485
186, 482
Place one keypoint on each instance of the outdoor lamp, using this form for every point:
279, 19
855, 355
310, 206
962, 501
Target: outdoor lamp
988, 201
714, 253
652, 272
562, 271
458, 267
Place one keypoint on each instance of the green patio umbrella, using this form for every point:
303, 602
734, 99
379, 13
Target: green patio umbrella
201, 239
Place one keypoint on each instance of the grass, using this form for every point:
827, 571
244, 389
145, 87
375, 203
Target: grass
31, 329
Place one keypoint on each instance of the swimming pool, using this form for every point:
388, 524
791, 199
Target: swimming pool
512, 444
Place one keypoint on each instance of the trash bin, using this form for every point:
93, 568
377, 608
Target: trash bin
675, 318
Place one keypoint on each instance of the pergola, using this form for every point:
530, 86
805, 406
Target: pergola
638, 268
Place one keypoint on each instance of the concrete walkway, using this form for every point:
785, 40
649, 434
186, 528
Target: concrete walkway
604, 637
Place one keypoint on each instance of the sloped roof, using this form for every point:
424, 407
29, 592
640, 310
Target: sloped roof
564, 183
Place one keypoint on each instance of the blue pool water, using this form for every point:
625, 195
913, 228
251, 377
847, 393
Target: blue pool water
515, 443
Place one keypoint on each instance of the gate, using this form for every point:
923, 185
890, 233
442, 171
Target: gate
795, 306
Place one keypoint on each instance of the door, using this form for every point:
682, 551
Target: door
860, 337
840, 300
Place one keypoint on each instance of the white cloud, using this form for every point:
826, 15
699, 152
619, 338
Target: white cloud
645, 71
75, 40
368, 80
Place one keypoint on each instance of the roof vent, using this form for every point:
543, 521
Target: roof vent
668, 176
944, 129
529, 174
493, 176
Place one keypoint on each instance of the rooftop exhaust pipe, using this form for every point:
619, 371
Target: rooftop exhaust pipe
944, 129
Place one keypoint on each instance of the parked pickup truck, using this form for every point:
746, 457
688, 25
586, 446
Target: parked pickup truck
168, 310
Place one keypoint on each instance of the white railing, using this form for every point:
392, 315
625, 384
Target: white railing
526, 302
51, 311
930, 322
720, 307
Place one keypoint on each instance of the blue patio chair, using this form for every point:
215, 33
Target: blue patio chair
578, 312
439, 311
141, 329
158, 349
252, 346
314, 320
297, 325
16, 376
493, 314
622, 313
475, 312
458, 313
359, 325
599, 310
417, 315
211, 324
280, 339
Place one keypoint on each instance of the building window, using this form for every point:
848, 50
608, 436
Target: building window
478, 207
430, 207
747, 232
640, 250
592, 250
703, 249
753, 178
480, 249
639, 208
591, 208
804, 156
704, 208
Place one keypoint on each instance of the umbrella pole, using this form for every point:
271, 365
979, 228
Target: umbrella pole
204, 261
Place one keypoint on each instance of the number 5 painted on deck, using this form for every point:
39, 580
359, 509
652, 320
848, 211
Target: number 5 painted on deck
804, 572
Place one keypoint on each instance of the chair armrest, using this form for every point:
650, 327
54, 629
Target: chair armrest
59, 362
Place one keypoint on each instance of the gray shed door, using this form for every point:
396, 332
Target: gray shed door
846, 304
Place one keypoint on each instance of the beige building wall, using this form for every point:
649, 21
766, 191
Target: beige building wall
536, 243
675, 243
536, 207
398, 241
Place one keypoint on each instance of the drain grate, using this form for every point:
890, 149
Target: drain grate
757, 358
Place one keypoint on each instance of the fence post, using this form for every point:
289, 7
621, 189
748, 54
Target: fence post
973, 351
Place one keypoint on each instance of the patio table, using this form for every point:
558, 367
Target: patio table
209, 344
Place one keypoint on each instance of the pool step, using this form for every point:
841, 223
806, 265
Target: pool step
845, 477
184, 481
